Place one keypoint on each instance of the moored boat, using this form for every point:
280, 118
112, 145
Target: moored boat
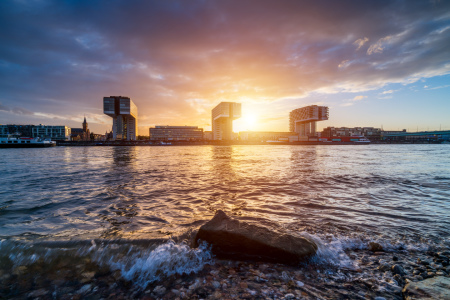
14, 141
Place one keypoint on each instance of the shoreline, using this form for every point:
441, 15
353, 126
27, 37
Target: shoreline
374, 274
180, 143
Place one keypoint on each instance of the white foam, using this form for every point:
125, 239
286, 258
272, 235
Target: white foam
167, 259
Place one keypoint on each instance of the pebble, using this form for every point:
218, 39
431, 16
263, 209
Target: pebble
216, 284
398, 269
159, 290
289, 296
84, 289
299, 283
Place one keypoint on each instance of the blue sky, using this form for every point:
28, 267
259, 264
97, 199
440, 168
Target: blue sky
374, 63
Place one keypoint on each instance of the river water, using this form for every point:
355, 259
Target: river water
340, 196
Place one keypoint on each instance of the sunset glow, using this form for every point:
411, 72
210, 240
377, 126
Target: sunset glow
177, 60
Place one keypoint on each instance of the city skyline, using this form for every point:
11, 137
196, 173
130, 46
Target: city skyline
378, 64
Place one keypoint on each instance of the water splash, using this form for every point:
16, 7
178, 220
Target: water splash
165, 260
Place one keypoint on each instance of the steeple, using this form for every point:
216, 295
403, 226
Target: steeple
85, 125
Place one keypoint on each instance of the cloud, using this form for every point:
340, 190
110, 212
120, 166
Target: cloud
358, 98
360, 42
15, 110
180, 59
387, 92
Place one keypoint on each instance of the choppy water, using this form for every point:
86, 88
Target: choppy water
341, 196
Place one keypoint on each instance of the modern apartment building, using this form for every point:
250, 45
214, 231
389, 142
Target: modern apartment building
176, 133
125, 117
303, 120
222, 119
53, 132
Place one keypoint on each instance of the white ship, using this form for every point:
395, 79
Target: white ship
14, 141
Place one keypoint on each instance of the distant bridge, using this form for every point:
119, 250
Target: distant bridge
420, 133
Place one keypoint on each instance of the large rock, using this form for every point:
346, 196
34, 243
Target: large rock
232, 239
433, 288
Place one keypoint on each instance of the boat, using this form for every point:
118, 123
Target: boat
15, 141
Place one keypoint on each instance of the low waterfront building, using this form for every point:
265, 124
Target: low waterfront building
176, 133
370, 132
53, 132
56, 133
263, 136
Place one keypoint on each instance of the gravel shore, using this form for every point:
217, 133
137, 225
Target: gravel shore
375, 275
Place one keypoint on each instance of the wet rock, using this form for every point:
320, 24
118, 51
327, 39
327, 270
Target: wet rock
398, 269
216, 284
20, 270
399, 280
233, 239
375, 247
435, 288
384, 267
159, 290
37, 293
84, 289
289, 296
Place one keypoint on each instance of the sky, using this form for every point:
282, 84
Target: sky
373, 63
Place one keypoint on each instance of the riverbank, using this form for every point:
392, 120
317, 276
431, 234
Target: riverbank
373, 274
231, 143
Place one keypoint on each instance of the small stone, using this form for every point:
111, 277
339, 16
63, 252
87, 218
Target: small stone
176, 292
243, 285
289, 296
224, 286
384, 267
398, 269
37, 293
299, 283
395, 258
84, 289
20, 270
424, 262
159, 290
440, 273
251, 292
379, 298
375, 247
216, 284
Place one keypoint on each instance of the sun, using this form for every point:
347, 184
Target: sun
248, 122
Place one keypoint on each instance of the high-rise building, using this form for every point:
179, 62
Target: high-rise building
303, 120
222, 119
125, 117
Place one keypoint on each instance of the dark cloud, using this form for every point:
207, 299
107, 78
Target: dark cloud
182, 57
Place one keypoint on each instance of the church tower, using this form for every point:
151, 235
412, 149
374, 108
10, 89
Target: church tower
85, 125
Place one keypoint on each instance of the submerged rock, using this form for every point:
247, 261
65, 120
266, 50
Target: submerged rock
433, 288
375, 247
233, 239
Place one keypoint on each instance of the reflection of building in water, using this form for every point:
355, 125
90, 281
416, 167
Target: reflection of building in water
222, 119
176, 133
124, 113
303, 120
263, 136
